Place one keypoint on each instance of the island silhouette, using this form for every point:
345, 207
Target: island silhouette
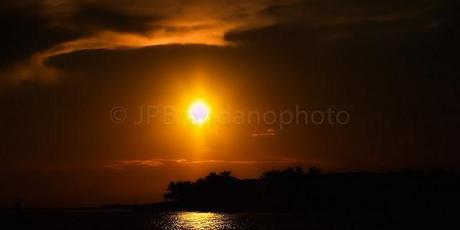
390, 195
310, 199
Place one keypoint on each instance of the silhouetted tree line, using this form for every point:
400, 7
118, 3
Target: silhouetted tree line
296, 189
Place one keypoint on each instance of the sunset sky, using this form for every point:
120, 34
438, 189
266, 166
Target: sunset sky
67, 66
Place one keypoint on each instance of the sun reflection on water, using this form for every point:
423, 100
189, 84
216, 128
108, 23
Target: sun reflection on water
198, 221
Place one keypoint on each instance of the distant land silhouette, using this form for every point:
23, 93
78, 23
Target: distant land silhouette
433, 193
309, 199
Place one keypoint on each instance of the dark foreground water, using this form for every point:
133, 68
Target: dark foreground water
96, 219
83, 220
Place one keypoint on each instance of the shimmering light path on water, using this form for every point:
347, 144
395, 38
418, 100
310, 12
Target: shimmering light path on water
197, 221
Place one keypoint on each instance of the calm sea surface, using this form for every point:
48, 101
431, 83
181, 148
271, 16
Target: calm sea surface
83, 220
87, 220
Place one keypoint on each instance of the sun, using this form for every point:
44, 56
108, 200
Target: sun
199, 112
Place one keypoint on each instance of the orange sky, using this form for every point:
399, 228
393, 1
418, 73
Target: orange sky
95, 94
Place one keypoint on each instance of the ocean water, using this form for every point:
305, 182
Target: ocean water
87, 220
101, 220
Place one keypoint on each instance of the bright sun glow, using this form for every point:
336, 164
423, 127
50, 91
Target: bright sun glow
199, 112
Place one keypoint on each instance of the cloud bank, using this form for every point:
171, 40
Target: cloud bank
159, 162
40, 30
76, 25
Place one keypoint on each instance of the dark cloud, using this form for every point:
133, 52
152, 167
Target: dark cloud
330, 20
336, 12
47, 28
25, 31
91, 18
28, 28
73, 25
